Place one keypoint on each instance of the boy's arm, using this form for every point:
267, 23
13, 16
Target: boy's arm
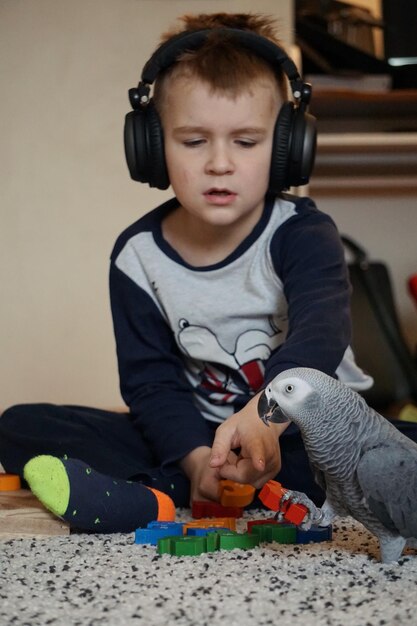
308, 258
151, 372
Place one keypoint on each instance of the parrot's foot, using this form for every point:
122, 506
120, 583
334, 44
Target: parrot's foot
314, 515
391, 548
328, 514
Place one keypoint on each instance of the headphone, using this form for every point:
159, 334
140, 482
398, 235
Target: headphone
294, 143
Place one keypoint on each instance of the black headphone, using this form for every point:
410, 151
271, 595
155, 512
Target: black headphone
294, 143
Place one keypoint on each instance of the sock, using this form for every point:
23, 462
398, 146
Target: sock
92, 501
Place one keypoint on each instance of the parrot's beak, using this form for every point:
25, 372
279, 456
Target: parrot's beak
270, 411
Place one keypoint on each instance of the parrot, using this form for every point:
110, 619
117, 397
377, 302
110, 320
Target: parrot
366, 467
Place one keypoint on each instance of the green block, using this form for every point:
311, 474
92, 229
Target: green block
243, 541
165, 544
182, 546
281, 533
213, 538
190, 546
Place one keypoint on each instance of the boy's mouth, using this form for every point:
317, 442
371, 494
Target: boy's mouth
219, 196
218, 192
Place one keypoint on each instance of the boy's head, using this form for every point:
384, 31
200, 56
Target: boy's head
223, 62
230, 55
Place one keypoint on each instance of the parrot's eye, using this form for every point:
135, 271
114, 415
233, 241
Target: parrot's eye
289, 388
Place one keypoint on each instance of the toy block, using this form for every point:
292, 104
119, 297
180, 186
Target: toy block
23, 515
177, 528
243, 541
294, 513
10, 482
157, 530
259, 522
315, 534
219, 522
235, 494
182, 546
280, 533
203, 532
271, 496
201, 509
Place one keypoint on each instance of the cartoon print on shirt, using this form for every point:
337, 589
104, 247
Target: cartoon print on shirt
228, 374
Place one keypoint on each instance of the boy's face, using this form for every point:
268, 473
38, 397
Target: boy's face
218, 149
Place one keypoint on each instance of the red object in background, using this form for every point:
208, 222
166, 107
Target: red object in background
412, 287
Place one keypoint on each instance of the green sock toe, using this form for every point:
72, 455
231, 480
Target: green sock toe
48, 480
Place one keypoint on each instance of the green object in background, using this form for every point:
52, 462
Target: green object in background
408, 413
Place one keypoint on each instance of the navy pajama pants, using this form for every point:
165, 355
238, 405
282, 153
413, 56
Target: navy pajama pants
112, 445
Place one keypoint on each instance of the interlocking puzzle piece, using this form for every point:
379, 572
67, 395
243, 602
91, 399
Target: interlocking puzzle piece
280, 533
200, 509
259, 522
157, 530
315, 534
182, 546
243, 541
271, 496
219, 522
10, 482
203, 532
212, 542
235, 494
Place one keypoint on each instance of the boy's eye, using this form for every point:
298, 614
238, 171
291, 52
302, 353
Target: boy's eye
246, 143
193, 143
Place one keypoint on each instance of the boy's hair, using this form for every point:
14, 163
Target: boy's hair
222, 62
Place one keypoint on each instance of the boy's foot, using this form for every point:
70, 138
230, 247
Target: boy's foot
92, 501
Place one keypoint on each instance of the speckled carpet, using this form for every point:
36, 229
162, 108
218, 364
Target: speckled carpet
107, 579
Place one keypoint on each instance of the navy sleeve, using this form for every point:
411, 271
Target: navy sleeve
151, 371
308, 257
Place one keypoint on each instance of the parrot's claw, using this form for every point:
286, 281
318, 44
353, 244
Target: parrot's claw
314, 515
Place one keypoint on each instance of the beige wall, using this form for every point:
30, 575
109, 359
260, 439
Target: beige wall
65, 189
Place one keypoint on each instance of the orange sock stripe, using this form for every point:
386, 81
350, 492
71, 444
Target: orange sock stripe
166, 507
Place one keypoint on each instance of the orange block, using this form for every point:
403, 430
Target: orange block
215, 522
271, 496
235, 494
9, 482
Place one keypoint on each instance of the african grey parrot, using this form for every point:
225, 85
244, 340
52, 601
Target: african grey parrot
367, 468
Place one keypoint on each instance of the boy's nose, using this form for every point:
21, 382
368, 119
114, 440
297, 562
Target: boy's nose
219, 161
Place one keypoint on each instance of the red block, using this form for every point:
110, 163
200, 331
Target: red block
271, 496
200, 509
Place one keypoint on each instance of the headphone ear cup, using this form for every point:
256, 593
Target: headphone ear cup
302, 149
278, 179
144, 147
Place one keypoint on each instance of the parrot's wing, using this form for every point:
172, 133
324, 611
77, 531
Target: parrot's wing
387, 474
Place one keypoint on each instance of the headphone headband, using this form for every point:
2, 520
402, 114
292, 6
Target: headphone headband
168, 52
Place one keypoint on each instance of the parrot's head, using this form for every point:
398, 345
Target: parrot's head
292, 396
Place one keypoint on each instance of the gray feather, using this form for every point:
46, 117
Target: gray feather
367, 466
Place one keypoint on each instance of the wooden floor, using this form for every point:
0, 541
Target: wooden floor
22, 515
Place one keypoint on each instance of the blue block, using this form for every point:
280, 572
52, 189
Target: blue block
316, 534
157, 530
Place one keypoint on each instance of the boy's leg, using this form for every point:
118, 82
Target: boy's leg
92, 501
111, 447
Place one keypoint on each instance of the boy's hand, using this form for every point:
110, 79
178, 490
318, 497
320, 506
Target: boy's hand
260, 457
204, 479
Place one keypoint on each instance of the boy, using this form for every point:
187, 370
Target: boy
213, 293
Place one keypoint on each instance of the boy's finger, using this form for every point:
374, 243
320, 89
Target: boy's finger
221, 447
